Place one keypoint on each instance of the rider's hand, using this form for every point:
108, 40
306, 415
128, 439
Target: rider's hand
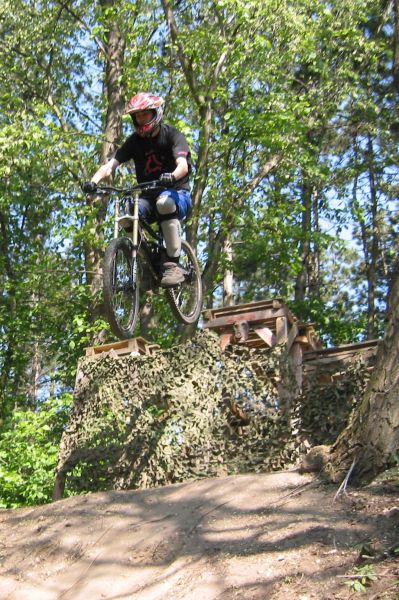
167, 179
89, 187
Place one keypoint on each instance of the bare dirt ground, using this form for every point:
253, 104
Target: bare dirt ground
278, 536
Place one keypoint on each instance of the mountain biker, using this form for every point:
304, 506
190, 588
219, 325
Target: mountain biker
159, 152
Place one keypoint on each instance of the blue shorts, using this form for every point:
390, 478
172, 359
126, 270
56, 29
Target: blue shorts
182, 198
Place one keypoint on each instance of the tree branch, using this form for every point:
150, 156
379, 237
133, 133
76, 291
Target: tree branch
102, 47
266, 169
185, 62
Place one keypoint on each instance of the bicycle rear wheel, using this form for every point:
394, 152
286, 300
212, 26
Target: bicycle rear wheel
121, 283
186, 299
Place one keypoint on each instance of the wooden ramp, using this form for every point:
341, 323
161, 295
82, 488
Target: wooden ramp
259, 324
270, 322
264, 324
332, 362
131, 347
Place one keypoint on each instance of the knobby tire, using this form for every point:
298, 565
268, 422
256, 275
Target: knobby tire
121, 284
186, 299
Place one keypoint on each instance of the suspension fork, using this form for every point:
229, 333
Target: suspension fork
135, 232
116, 226
135, 237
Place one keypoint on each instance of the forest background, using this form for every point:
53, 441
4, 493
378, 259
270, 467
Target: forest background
291, 113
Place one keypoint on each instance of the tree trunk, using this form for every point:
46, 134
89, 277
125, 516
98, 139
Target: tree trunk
371, 441
302, 280
314, 258
114, 58
374, 246
201, 179
34, 374
396, 45
115, 49
148, 320
228, 279
6, 300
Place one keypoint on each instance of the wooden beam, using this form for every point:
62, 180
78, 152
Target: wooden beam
241, 331
236, 309
266, 335
124, 347
252, 317
225, 340
292, 335
281, 330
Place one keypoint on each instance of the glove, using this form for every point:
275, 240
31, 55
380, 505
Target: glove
89, 187
167, 179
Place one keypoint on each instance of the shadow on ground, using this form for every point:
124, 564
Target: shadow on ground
263, 536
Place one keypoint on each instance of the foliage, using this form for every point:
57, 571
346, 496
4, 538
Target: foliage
336, 324
29, 445
363, 577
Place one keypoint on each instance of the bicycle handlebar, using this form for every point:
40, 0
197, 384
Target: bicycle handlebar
145, 186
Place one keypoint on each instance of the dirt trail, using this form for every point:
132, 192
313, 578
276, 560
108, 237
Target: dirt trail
278, 536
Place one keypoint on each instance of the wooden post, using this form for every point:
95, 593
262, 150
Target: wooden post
281, 330
296, 356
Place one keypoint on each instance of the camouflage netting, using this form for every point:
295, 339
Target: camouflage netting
193, 411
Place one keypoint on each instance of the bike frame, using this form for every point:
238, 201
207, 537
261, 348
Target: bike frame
137, 235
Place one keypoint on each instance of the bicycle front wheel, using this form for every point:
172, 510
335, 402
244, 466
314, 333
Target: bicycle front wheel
186, 299
121, 282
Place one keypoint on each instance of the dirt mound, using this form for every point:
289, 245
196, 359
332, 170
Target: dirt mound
278, 536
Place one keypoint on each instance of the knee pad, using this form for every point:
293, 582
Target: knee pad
166, 205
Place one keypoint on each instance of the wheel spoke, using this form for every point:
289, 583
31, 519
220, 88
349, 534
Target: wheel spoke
120, 291
186, 299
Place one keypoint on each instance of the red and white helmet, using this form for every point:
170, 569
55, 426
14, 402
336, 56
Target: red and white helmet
143, 101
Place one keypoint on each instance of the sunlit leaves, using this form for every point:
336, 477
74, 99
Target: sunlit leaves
27, 473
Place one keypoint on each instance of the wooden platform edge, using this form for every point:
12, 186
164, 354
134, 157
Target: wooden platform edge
132, 346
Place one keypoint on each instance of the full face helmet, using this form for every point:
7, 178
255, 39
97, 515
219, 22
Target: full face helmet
143, 101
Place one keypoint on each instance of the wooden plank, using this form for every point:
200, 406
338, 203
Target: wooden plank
345, 358
92, 350
236, 309
281, 330
260, 316
266, 335
123, 347
272, 306
225, 340
256, 343
339, 352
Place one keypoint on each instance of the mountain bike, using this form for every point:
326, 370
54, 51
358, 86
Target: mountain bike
133, 263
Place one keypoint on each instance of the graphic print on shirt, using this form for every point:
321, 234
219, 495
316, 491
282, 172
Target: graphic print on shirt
152, 165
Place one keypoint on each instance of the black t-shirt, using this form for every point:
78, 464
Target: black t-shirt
155, 155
